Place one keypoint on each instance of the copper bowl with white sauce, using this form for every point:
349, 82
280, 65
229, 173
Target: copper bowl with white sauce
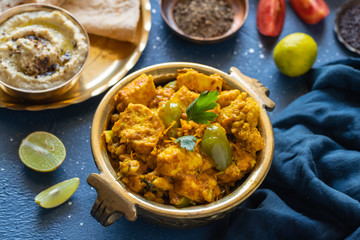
43, 50
115, 199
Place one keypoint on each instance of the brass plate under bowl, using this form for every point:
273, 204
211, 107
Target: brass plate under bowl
109, 61
241, 8
340, 12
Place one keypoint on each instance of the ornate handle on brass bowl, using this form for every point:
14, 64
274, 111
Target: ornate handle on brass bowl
109, 205
255, 88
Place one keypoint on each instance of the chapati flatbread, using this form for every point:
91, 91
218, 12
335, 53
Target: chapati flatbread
53, 2
116, 19
6, 4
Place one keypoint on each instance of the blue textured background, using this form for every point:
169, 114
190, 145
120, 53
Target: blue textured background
22, 218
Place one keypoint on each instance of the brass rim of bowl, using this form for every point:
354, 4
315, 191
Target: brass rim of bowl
101, 158
340, 12
33, 7
241, 8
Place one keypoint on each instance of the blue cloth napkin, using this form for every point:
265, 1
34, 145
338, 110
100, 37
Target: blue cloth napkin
313, 188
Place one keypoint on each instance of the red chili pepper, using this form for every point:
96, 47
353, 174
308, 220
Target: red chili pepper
310, 11
270, 17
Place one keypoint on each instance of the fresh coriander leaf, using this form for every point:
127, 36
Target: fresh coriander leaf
187, 142
197, 110
206, 117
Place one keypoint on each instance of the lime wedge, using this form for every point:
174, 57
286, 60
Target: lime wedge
57, 194
42, 151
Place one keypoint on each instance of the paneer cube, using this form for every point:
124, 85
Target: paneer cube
199, 82
174, 160
139, 127
226, 97
200, 188
141, 90
184, 97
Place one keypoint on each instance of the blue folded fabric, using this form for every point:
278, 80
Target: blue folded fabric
313, 188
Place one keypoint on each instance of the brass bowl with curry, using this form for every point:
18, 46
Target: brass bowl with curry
180, 144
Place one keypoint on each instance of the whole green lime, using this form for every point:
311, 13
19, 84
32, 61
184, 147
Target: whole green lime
295, 54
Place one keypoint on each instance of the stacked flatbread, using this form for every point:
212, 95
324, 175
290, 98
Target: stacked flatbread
115, 19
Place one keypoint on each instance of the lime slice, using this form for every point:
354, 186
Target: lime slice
42, 151
57, 194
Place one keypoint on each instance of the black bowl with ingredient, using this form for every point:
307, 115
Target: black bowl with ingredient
204, 21
347, 25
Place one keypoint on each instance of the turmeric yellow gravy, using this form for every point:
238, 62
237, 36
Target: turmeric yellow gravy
149, 160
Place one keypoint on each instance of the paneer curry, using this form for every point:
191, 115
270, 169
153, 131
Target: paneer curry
186, 143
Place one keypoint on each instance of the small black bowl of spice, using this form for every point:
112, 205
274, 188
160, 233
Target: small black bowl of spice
347, 25
204, 21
